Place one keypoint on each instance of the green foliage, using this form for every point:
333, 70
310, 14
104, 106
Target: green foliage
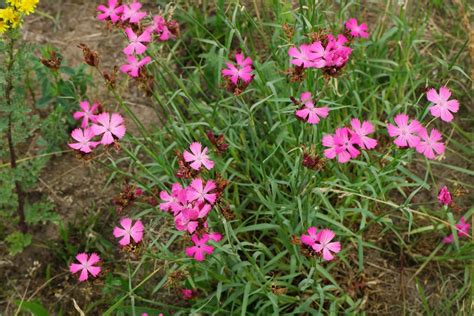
272, 195
17, 242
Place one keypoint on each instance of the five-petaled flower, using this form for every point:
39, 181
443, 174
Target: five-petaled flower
341, 144
309, 112
87, 264
199, 191
84, 140
362, 130
430, 144
311, 238
128, 231
324, 244
200, 248
242, 71
113, 12
88, 113
109, 126
462, 229
307, 56
357, 30
131, 12
136, 41
442, 106
134, 65
406, 133
198, 157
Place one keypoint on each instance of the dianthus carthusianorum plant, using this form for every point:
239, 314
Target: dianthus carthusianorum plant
282, 144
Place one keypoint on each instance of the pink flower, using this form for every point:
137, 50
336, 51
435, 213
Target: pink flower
87, 113
362, 130
462, 231
161, 29
200, 248
442, 106
200, 192
407, 134
188, 219
83, 138
214, 236
134, 65
325, 245
309, 112
198, 157
112, 12
355, 29
335, 53
172, 200
86, 264
136, 42
188, 294
307, 55
109, 125
131, 13
243, 70
430, 144
338, 43
134, 231
341, 144
444, 196
311, 238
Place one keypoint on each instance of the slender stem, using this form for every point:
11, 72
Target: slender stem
11, 146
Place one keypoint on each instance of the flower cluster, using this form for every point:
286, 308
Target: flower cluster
130, 17
319, 243
108, 126
413, 135
239, 75
329, 53
11, 16
190, 205
344, 143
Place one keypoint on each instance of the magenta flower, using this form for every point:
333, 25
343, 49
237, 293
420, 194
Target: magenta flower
335, 53
188, 219
83, 138
462, 231
355, 29
307, 55
109, 126
131, 12
311, 238
198, 157
338, 43
309, 112
188, 294
442, 106
341, 144
134, 65
171, 201
136, 42
325, 245
200, 248
112, 12
407, 134
362, 130
243, 70
200, 192
128, 231
87, 113
430, 144
86, 266
444, 196
161, 29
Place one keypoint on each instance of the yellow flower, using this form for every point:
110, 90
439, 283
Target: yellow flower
3, 27
10, 17
14, 3
27, 6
